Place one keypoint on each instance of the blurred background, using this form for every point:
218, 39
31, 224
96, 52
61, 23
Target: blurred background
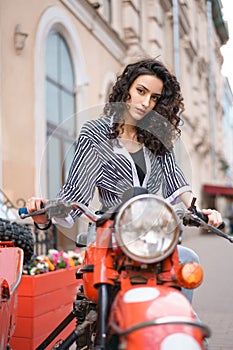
58, 61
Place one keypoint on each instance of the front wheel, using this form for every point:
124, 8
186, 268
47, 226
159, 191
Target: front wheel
20, 235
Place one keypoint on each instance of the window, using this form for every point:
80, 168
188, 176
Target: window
60, 111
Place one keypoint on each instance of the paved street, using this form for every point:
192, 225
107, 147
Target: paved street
213, 300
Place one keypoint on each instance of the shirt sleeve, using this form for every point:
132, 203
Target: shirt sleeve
84, 174
174, 182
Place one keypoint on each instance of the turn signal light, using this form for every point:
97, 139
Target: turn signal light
190, 275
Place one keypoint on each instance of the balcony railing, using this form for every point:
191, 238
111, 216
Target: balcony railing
44, 240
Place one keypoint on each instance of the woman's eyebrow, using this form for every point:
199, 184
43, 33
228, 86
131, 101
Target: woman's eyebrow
141, 85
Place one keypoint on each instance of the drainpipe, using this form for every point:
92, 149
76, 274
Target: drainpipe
211, 86
176, 48
176, 38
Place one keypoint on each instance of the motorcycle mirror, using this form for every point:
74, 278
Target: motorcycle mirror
81, 240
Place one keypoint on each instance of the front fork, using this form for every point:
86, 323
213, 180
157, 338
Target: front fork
104, 275
103, 305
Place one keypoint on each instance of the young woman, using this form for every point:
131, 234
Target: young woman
131, 145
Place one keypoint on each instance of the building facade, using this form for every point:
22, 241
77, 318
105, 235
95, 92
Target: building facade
58, 60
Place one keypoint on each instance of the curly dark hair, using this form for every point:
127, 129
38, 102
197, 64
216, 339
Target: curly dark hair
158, 129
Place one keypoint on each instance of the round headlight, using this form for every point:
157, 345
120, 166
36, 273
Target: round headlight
147, 228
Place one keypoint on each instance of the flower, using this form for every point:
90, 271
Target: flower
54, 260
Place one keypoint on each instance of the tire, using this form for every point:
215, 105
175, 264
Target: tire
20, 235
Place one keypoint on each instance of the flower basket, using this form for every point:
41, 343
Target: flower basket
44, 300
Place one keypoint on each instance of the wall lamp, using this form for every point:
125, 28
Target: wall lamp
19, 39
96, 5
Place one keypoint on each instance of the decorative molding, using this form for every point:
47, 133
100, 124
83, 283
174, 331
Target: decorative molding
203, 66
91, 19
201, 142
19, 39
166, 5
189, 48
184, 20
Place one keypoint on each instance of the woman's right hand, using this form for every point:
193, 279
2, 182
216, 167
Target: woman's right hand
34, 204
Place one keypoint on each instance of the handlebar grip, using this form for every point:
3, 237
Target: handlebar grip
22, 211
220, 227
205, 218
195, 222
202, 216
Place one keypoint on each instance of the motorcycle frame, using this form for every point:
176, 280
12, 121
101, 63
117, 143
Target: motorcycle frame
104, 276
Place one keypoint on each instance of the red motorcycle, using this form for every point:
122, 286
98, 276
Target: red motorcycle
131, 296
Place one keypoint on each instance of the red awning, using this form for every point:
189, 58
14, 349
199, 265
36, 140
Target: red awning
218, 190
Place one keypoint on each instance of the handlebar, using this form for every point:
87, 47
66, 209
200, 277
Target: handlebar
199, 220
59, 209
193, 222
192, 217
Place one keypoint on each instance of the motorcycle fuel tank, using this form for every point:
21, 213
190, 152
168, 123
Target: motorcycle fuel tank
158, 318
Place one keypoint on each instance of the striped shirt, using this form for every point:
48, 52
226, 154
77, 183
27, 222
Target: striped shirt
107, 165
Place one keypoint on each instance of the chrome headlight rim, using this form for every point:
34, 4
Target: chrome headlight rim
176, 234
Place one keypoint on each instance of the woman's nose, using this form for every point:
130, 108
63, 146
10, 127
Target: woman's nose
146, 101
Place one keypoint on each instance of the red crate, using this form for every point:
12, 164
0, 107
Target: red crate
43, 302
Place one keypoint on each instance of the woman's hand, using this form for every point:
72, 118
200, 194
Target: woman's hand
34, 204
214, 217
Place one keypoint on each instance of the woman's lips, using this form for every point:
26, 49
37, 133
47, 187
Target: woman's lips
140, 111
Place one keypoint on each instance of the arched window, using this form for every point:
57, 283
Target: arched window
60, 111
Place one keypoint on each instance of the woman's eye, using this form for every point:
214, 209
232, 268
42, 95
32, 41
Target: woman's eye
156, 98
140, 90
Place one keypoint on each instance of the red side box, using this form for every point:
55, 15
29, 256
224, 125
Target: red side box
43, 302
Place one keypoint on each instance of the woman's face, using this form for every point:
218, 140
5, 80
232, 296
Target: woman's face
144, 94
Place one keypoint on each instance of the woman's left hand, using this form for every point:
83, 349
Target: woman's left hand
215, 218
